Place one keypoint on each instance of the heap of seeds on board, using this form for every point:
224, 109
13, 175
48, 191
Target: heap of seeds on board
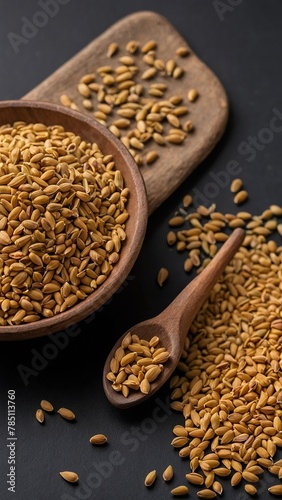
62, 220
130, 94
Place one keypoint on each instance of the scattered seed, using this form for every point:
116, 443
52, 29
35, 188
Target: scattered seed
66, 413
168, 473
250, 489
276, 489
150, 478
195, 478
69, 476
182, 51
98, 439
39, 416
206, 493
192, 95
179, 490
236, 185
46, 405
112, 49
162, 275
240, 197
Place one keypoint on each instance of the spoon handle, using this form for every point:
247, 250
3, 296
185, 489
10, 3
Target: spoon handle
183, 309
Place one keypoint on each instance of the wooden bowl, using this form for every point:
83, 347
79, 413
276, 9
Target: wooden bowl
90, 130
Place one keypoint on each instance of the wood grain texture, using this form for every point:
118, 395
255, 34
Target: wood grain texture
209, 113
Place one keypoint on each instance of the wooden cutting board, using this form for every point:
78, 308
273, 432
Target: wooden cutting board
209, 113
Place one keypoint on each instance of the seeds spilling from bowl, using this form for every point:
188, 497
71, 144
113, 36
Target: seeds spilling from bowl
136, 364
130, 94
62, 220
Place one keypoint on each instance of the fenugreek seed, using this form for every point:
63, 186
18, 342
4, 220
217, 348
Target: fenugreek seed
175, 138
145, 386
162, 276
151, 156
176, 221
168, 473
83, 89
150, 478
236, 185
182, 51
69, 476
150, 45
179, 491
206, 493
192, 95
128, 358
153, 373
112, 49
217, 487
39, 416
276, 489
132, 46
98, 439
250, 489
46, 405
171, 238
240, 197
195, 478
65, 100
276, 210
66, 413
88, 78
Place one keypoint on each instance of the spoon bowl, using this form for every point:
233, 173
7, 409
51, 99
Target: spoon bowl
172, 324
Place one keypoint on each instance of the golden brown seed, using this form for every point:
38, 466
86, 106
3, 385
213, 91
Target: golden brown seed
98, 439
168, 473
176, 221
150, 478
250, 489
39, 416
46, 405
195, 478
65, 100
182, 51
69, 476
132, 46
162, 275
171, 238
179, 490
150, 45
192, 95
206, 493
151, 156
236, 185
240, 197
112, 49
66, 413
276, 489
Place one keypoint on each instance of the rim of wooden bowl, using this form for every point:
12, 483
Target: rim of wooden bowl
89, 129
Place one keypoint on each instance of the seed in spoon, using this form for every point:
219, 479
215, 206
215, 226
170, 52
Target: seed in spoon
136, 364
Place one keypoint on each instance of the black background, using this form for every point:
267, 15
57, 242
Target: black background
243, 48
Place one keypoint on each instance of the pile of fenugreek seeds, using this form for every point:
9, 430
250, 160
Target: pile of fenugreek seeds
136, 364
228, 385
130, 96
62, 220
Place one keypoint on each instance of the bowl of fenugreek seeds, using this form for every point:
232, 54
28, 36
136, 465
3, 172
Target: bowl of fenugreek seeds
73, 216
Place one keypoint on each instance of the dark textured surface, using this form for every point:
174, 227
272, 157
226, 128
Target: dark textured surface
244, 50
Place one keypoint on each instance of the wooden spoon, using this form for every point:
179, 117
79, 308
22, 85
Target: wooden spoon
172, 324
